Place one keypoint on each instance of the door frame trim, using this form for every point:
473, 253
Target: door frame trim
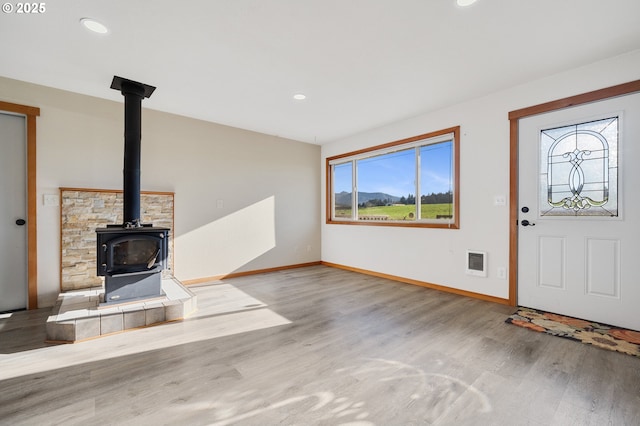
514, 119
32, 226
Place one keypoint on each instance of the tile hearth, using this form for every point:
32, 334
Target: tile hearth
77, 315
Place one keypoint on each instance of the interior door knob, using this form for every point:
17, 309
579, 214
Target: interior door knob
527, 223
20, 222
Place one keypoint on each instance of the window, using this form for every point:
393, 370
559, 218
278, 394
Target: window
411, 182
579, 175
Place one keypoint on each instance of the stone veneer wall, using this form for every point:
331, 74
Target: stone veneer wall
84, 210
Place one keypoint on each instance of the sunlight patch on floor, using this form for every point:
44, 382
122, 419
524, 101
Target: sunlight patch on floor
227, 311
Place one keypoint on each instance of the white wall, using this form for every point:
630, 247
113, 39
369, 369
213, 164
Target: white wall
438, 256
272, 211
243, 201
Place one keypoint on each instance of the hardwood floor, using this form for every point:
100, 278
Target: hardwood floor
317, 346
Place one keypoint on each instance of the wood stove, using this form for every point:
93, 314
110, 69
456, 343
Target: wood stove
131, 256
132, 261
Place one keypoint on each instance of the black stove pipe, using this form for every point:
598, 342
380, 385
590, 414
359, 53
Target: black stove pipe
133, 93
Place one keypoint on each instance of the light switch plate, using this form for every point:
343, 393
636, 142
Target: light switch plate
51, 200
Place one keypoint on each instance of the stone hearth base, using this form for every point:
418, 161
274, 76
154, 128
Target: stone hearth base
77, 315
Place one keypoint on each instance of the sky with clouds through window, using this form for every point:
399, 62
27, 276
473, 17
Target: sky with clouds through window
394, 173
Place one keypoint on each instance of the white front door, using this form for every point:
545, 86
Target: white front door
13, 231
579, 211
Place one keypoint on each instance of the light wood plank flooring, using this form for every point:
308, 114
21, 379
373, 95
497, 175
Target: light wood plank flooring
316, 346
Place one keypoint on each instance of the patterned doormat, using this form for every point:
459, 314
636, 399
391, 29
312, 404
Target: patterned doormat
600, 335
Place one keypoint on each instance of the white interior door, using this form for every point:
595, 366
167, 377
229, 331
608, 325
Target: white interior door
579, 219
13, 231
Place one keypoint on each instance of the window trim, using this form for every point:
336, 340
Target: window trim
407, 143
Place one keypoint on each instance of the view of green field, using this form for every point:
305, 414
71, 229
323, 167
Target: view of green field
401, 211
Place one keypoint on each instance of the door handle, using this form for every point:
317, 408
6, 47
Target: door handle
527, 223
20, 222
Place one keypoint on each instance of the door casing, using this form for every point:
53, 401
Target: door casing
32, 240
514, 119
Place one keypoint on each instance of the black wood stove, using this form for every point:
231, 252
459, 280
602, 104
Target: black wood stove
131, 255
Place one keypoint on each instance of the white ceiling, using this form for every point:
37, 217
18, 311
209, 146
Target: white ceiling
361, 63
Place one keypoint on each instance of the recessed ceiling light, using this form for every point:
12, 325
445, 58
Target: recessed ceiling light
299, 97
93, 25
465, 3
